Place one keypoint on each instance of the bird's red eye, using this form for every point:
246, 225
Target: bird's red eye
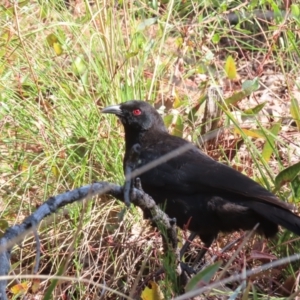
137, 112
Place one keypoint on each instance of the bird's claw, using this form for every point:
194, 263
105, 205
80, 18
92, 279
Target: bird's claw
185, 268
138, 184
173, 221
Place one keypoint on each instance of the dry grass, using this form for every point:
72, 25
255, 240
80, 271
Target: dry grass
53, 138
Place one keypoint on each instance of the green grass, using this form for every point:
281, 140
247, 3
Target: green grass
53, 137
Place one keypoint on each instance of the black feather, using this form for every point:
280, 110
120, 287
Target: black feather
195, 189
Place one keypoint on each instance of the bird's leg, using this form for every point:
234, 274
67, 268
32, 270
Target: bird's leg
204, 249
130, 166
228, 247
185, 247
187, 244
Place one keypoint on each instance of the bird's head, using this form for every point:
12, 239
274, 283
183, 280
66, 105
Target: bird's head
137, 115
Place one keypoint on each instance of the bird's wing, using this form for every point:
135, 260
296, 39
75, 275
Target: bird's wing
222, 177
193, 172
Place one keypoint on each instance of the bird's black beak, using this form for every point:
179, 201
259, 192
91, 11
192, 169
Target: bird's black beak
112, 109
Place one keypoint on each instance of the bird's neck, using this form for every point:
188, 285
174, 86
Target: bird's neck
143, 137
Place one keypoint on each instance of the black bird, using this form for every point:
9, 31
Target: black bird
192, 187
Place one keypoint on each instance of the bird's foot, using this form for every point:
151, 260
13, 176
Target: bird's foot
187, 269
173, 221
138, 184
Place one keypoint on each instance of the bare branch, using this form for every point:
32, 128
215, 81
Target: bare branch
17, 233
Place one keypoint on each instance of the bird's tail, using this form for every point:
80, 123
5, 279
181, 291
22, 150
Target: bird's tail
277, 215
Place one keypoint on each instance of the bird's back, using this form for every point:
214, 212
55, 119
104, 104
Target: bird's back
194, 172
